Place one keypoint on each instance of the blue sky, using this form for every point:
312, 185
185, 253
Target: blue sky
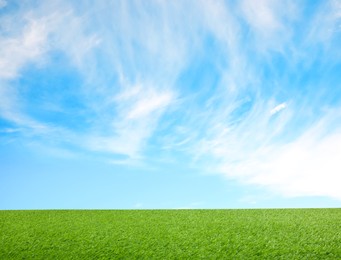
170, 104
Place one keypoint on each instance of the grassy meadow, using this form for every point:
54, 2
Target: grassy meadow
171, 234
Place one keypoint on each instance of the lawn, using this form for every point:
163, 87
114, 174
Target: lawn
171, 234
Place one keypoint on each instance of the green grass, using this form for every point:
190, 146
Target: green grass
171, 234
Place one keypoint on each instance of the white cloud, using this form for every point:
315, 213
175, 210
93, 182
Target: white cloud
27, 40
10, 109
124, 121
141, 100
138, 110
148, 104
261, 15
10, 130
127, 143
29, 36
131, 56
217, 19
18, 50
269, 21
278, 108
307, 166
279, 152
325, 26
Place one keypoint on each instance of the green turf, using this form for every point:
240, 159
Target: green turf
171, 234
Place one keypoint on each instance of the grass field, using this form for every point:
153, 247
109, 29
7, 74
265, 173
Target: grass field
171, 234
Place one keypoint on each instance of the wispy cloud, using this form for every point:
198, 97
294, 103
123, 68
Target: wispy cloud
308, 165
244, 141
261, 15
207, 83
270, 23
278, 108
18, 50
57, 27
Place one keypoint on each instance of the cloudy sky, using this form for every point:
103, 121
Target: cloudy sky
170, 104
